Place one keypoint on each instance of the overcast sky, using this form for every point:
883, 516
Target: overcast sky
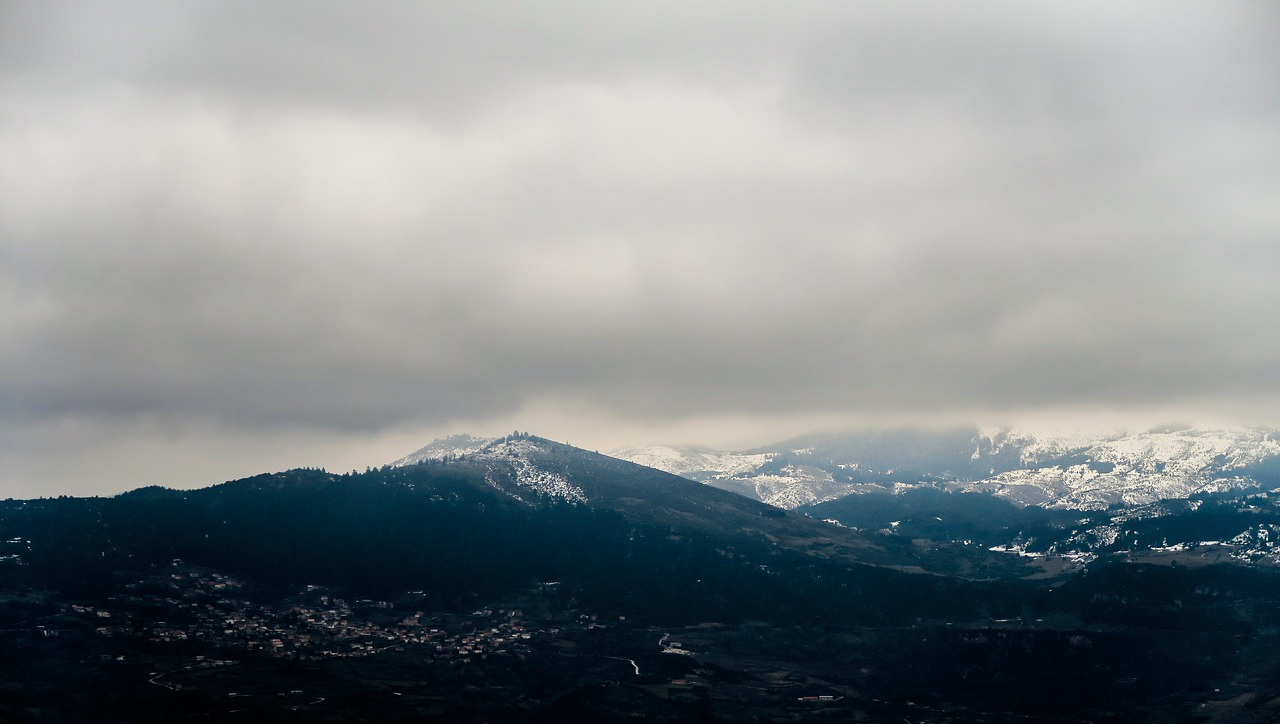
238, 237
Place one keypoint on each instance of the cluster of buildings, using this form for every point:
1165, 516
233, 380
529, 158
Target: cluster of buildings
189, 604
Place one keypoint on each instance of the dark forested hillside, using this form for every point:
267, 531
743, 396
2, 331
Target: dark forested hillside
430, 527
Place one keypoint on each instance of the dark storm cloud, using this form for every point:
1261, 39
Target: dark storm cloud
276, 217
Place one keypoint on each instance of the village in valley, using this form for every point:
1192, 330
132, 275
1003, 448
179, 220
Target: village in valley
177, 641
200, 605
191, 633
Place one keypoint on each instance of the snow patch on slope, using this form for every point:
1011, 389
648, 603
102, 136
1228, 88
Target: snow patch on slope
517, 454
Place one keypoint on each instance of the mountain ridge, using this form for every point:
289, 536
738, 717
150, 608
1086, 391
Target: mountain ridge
1083, 471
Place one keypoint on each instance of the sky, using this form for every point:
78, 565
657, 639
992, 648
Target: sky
238, 237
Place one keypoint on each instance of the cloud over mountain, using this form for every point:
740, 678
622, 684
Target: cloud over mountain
241, 223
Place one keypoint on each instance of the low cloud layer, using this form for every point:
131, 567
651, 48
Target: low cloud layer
238, 227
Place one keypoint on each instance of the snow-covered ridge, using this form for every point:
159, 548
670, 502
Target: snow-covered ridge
693, 462
1133, 469
797, 486
1035, 446
1190, 451
1063, 469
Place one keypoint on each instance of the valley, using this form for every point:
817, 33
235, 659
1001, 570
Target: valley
233, 650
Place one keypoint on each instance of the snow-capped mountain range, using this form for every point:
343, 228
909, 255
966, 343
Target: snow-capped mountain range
1131, 469
1050, 469
1054, 470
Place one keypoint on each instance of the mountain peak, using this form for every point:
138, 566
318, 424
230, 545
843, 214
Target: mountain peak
444, 448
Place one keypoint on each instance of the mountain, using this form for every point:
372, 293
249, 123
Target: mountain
1153, 495
536, 472
516, 509
519, 579
1038, 496
1054, 470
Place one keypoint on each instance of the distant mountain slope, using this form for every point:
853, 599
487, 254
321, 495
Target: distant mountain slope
694, 463
1134, 469
754, 475
749, 474
1057, 470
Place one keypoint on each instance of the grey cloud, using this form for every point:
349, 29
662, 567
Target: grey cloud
282, 218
